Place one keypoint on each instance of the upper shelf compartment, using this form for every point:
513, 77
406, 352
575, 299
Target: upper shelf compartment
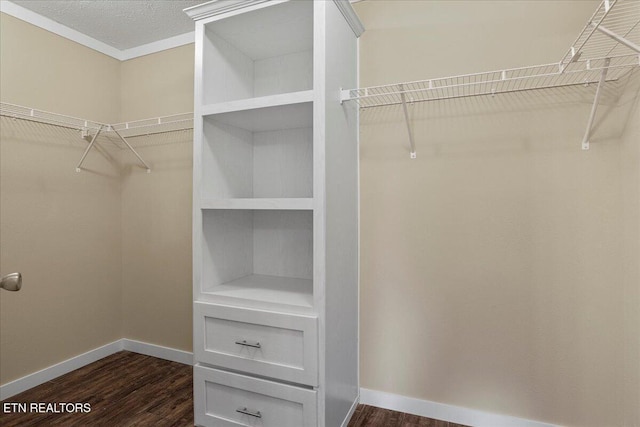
265, 52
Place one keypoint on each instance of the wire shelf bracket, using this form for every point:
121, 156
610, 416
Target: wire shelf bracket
85, 135
132, 150
607, 49
86, 151
408, 123
594, 108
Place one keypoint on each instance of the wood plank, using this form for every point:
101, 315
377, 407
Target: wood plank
370, 416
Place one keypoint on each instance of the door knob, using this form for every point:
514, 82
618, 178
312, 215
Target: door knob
11, 282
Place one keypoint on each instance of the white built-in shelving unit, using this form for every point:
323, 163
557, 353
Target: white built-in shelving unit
275, 221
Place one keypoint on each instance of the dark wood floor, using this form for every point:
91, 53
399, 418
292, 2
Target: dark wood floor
129, 389
370, 416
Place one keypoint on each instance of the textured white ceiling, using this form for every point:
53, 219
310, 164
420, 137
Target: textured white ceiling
122, 24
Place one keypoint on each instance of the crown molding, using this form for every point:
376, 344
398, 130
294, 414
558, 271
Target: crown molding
158, 46
50, 25
218, 7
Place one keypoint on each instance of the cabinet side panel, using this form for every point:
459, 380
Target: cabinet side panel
341, 371
227, 154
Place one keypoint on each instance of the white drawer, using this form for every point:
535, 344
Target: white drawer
269, 344
225, 399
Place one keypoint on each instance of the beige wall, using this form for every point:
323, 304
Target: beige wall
156, 207
631, 240
492, 272
157, 85
60, 228
106, 253
48, 72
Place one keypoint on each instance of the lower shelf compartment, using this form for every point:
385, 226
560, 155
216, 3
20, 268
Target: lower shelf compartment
258, 258
266, 290
225, 399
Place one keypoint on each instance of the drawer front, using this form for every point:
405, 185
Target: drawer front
274, 345
225, 399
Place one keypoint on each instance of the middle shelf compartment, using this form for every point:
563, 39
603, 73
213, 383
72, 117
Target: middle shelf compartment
264, 152
258, 258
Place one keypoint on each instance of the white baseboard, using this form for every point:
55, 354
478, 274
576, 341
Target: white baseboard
47, 374
441, 411
158, 351
345, 423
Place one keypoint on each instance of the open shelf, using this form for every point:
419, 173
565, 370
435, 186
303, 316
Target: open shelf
255, 104
266, 113
259, 153
258, 204
263, 52
267, 290
261, 256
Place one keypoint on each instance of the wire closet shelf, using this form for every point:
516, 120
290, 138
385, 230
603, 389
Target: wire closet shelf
90, 130
613, 30
607, 49
493, 82
129, 129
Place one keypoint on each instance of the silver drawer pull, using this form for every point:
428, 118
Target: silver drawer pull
248, 344
245, 411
